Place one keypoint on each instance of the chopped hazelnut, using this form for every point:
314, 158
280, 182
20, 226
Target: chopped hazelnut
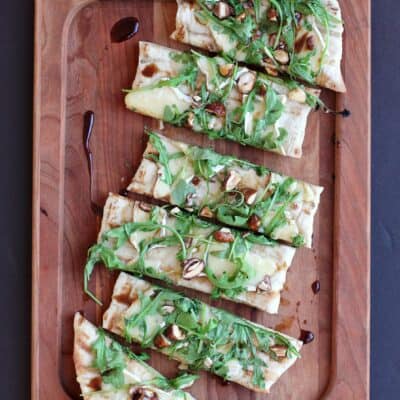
224, 235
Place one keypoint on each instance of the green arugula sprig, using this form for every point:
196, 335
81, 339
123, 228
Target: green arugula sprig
285, 30
111, 360
213, 337
186, 229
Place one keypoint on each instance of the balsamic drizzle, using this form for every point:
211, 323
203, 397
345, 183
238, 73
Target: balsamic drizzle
345, 113
88, 123
316, 287
306, 336
124, 29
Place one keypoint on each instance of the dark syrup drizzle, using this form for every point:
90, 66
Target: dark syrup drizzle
88, 122
345, 113
306, 336
124, 29
316, 287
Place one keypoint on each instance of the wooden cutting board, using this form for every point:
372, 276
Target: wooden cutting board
78, 68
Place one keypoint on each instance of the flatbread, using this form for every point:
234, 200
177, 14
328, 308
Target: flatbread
284, 208
244, 106
314, 37
136, 372
268, 263
219, 334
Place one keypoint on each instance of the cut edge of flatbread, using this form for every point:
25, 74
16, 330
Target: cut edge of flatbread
128, 286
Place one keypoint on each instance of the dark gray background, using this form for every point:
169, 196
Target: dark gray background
16, 41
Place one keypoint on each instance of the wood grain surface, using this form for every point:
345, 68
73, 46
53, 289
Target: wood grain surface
78, 68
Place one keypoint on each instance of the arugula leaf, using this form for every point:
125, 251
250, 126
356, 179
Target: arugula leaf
214, 337
173, 116
181, 191
298, 241
206, 161
300, 67
162, 157
109, 360
273, 107
274, 142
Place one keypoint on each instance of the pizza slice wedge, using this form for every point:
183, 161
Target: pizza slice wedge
108, 371
302, 39
200, 337
222, 99
232, 191
178, 248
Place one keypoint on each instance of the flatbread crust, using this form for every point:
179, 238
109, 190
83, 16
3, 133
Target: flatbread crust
149, 181
89, 378
129, 287
189, 30
152, 102
273, 261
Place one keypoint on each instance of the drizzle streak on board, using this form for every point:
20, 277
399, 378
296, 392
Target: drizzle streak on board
316, 287
306, 336
124, 29
88, 123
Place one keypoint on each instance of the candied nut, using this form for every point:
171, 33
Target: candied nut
271, 70
195, 180
272, 14
161, 341
192, 267
175, 211
167, 309
145, 206
241, 17
224, 235
272, 39
281, 56
206, 212
246, 82
208, 362
262, 90
173, 332
215, 124
190, 120
254, 222
298, 95
310, 43
222, 10
279, 350
250, 196
190, 198
216, 108
257, 34
282, 46
188, 242
142, 394
265, 285
232, 180
226, 69
294, 206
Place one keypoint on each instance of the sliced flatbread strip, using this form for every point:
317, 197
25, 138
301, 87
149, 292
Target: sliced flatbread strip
123, 374
221, 99
238, 266
299, 38
234, 192
199, 336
